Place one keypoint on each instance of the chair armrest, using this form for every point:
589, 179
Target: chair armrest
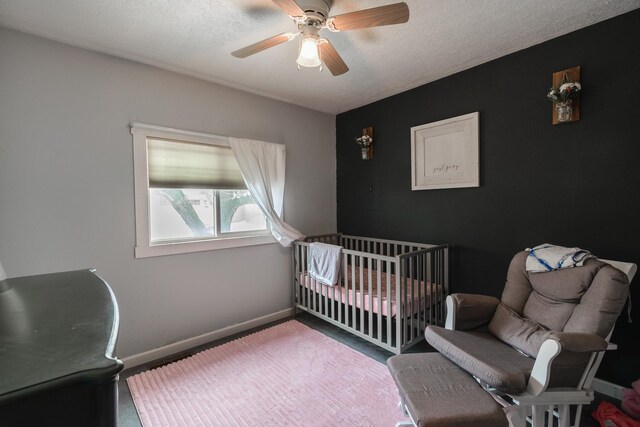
560, 341
541, 372
580, 342
469, 311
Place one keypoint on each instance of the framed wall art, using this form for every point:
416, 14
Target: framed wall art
445, 154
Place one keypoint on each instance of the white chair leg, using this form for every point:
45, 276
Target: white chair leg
550, 415
563, 415
537, 416
578, 415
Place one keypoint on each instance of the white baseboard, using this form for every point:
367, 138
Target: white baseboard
177, 347
607, 388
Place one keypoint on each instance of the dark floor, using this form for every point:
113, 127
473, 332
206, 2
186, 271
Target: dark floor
129, 416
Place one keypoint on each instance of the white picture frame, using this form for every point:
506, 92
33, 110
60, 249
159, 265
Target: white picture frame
445, 154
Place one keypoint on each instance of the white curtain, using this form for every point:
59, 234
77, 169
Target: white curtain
262, 165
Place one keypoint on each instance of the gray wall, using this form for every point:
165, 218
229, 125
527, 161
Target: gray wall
66, 185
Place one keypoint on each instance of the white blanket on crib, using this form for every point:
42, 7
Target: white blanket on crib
324, 263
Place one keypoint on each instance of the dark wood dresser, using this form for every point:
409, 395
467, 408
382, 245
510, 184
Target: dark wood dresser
57, 337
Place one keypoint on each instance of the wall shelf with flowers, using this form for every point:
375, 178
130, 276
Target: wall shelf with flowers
565, 96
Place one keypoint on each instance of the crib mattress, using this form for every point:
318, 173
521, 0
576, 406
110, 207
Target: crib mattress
361, 295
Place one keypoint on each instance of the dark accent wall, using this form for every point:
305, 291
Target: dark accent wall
575, 184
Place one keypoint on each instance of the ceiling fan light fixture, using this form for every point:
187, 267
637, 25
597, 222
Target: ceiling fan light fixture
309, 56
314, 16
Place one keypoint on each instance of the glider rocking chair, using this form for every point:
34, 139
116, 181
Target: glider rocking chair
536, 350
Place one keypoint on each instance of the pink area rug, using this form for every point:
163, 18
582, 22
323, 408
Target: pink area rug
287, 375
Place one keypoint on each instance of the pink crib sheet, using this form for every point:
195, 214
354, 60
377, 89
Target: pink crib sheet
346, 294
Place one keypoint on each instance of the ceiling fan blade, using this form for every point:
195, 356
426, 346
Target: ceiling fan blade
262, 45
331, 58
397, 13
290, 7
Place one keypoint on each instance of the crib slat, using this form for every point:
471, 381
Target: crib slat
294, 269
426, 291
412, 299
405, 306
341, 282
445, 285
331, 292
389, 341
326, 290
361, 293
313, 293
436, 265
401, 330
347, 305
305, 276
438, 282
352, 303
379, 290
315, 301
370, 295
440, 291
303, 265
416, 298
334, 301
434, 287
299, 277
429, 279
421, 281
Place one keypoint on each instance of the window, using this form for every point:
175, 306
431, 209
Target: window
194, 214
190, 194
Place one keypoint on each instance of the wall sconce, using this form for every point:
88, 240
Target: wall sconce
366, 143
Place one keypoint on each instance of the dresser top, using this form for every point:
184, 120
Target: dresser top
56, 330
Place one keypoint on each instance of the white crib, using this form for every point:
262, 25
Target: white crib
388, 293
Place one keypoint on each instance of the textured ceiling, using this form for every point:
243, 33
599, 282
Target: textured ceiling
195, 37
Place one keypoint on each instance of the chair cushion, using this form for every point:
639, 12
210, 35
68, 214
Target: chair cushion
438, 393
484, 356
585, 299
521, 333
601, 305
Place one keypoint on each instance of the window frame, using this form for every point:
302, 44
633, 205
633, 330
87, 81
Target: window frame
144, 248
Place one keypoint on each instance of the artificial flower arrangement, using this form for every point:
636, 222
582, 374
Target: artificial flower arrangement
364, 141
565, 93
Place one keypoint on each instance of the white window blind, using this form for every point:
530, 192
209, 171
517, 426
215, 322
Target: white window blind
178, 164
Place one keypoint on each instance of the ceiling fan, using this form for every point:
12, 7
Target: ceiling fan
311, 16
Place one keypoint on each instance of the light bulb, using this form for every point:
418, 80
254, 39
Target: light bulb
309, 53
